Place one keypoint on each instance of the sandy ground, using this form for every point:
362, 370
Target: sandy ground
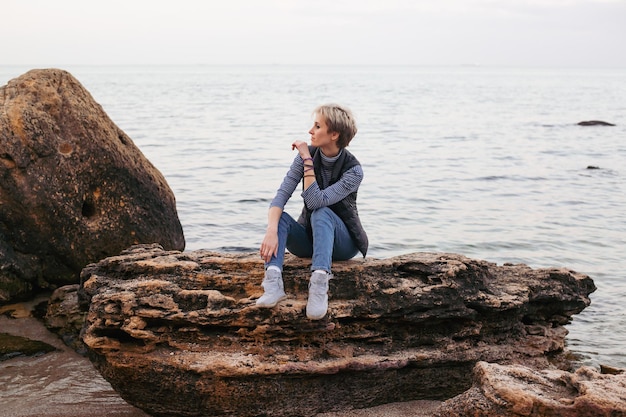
407, 409
60, 383
63, 383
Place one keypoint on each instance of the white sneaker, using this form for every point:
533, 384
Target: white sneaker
317, 305
273, 289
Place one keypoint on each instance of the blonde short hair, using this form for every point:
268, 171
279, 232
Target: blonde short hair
339, 119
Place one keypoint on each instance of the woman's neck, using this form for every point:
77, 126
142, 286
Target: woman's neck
331, 150
329, 160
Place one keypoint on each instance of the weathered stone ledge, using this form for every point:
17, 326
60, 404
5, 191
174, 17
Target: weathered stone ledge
179, 333
513, 391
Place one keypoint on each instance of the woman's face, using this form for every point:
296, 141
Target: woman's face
320, 137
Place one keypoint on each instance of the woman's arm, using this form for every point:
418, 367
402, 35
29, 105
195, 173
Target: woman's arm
349, 182
289, 184
269, 246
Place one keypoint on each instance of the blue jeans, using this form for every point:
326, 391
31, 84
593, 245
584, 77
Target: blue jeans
331, 240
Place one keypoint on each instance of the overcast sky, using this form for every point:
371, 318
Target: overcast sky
571, 33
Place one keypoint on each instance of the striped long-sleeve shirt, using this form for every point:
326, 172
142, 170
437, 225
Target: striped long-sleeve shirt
316, 196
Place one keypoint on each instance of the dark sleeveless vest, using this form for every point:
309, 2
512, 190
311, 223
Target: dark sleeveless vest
346, 208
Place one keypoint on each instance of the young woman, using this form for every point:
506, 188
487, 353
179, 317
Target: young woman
329, 227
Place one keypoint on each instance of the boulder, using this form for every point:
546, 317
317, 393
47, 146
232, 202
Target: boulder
73, 187
513, 391
178, 333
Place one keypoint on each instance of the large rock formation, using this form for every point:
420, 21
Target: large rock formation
179, 333
513, 391
73, 187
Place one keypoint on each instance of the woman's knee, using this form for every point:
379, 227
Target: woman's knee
321, 213
285, 221
285, 217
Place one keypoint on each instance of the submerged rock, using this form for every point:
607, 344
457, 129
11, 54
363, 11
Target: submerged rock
73, 187
512, 391
594, 123
12, 346
179, 333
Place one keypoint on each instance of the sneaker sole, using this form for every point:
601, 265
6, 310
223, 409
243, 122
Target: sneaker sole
311, 317
272, 305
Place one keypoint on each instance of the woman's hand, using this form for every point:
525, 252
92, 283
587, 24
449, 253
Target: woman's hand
302, 147
269, 246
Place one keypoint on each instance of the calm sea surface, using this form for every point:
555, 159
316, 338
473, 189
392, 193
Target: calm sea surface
485, 162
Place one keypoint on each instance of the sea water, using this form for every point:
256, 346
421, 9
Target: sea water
485, 162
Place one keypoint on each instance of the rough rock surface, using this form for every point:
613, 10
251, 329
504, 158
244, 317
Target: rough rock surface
513, 391
179, 333
65, 317
74, 188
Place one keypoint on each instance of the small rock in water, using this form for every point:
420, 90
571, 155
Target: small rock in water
12, 346
611, 370
594, 123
